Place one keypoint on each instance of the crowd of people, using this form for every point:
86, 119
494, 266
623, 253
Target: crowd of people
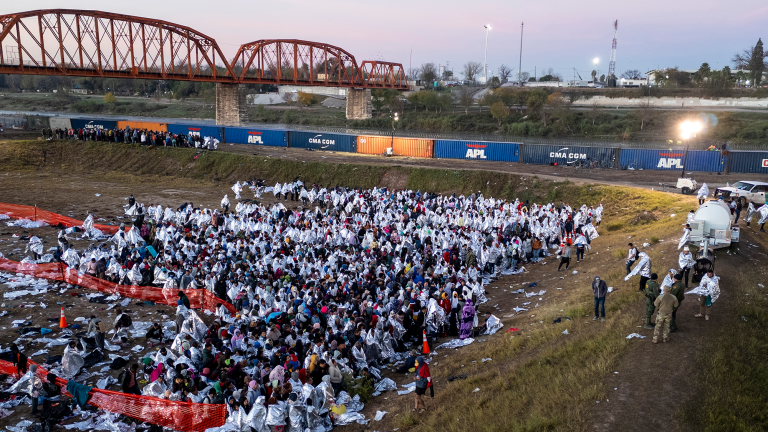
132, 136
325, 293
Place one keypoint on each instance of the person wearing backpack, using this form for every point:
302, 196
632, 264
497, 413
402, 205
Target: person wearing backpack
129, 382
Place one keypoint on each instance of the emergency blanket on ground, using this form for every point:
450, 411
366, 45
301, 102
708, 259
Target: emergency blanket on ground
198, 298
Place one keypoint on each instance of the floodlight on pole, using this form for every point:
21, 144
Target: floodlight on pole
485, 61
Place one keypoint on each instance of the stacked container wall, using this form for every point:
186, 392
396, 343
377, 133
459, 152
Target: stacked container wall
602, 157
60, 123
702, 160
93, 124
477, 150
378, 145
265, 137
752, 162
150, 126
322, 141
192, 130
646, 159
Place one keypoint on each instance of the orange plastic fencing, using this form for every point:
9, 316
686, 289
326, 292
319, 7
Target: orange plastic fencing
198, 298
181, 416
17, 211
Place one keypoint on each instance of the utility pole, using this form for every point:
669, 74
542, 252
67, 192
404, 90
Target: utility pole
520, 65
485, 60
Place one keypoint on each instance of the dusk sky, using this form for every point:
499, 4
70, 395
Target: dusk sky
559, 34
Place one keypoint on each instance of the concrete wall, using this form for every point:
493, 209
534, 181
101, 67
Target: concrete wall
670, 102
359, 104
320, 90
231, 108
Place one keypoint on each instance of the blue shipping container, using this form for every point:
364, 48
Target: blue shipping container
477, 150
698, 160
265, 137
323, 141
93, 124
600, 157
702, 160
192, 130
748, 162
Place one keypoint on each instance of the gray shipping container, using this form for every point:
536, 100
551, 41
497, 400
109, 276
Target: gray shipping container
60, 123
597, 157
753, 162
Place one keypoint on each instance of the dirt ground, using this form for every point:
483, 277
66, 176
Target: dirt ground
652, 380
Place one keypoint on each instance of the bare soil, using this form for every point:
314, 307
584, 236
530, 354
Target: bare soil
652, 382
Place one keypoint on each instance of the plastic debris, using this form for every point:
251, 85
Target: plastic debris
635, 335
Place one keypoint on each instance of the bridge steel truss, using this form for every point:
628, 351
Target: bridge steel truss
65, 42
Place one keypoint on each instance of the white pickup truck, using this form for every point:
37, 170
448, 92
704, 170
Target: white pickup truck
750, 190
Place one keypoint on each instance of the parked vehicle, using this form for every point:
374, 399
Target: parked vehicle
686, 185
750, 190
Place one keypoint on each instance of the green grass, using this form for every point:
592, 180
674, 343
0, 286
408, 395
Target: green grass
732, 367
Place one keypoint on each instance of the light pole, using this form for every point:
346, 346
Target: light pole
688, 130
520, 65
485, 60
392, 142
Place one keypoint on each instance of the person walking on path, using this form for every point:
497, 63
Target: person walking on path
423, 382
666, 303
565, 256
651, 294
710, 284
678, 290
599, 290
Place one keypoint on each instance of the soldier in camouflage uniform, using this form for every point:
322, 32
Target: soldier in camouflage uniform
666, 302
678, 290
651, 293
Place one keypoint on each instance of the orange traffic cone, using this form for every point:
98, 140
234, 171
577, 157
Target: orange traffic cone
425, 345
62, 320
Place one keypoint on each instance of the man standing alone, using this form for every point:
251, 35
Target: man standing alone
599, 290
666, 303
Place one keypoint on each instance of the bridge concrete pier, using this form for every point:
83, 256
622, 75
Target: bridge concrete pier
359, 105
231, 108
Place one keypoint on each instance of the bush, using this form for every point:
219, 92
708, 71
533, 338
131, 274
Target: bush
654, 240
613, 227
110, 99
359, 386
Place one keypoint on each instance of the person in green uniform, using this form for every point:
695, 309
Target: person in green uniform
651, 293
678, 290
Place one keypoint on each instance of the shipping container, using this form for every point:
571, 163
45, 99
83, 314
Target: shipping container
477, 150
265, 137
192, 130
322, 141
150, 126
93, 124
378, 145
702, 160
596, 157
60, 123
645, 159
753, 162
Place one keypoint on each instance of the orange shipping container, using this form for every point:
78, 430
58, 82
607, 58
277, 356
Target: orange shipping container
378, 145
151, 126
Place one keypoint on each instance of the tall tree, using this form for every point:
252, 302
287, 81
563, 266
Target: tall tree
504, 72
471, 69
757, 64
466, 98
428, 73
633, 74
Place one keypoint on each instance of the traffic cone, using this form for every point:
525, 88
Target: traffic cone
62, 320
425, 345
